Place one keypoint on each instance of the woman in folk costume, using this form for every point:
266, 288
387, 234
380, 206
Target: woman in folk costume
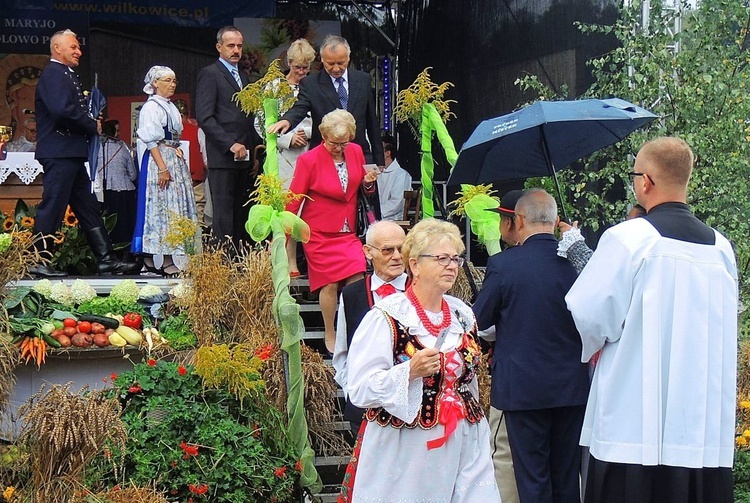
412, 364
165, 188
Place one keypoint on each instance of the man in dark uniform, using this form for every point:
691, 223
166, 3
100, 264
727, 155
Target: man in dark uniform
64, 128
538, 380
230, 136
383, 249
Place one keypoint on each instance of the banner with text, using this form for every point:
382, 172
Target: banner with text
29, 31
177, 12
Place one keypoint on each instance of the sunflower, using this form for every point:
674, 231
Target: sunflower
70, 219
27, 222
8, 224
59, 238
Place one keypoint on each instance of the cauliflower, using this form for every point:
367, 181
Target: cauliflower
5, 240
125, 291
82, 291
149, 291
181, 291
43, 287
61, 293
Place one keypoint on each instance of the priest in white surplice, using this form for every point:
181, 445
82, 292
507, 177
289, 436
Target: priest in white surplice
659, 298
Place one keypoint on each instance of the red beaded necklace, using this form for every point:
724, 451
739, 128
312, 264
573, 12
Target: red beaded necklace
430, 326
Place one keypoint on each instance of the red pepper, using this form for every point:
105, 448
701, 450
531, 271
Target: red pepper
132, 320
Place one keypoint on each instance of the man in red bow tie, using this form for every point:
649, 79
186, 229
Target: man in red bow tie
383, 249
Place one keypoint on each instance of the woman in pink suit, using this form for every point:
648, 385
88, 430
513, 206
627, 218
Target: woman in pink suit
330, 175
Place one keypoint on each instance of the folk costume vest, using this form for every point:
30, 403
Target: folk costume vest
434, 388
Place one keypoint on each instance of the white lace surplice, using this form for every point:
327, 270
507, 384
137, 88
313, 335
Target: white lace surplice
395, 464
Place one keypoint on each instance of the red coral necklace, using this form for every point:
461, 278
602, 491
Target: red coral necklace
430, 326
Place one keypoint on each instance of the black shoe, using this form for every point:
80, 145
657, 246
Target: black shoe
46, 271
107, 261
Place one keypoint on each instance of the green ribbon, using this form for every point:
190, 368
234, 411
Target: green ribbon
271, 110
485, 224
432, 122
262, 221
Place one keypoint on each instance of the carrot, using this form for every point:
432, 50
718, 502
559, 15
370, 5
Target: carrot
42, 353
26, 349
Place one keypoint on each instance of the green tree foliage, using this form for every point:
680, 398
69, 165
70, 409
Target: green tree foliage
696, 80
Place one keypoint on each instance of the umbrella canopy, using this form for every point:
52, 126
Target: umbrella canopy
542, 137
97, 102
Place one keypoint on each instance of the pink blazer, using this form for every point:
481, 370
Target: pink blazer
315, 175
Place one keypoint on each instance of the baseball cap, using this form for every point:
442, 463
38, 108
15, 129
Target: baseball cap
508, 203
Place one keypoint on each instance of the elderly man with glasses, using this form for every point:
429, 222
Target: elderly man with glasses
538, 380
383, 249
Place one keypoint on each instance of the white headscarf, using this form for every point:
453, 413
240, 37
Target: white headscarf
155, 72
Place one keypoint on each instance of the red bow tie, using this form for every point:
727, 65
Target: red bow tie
385, 290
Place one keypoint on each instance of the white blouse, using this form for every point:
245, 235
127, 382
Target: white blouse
156, 113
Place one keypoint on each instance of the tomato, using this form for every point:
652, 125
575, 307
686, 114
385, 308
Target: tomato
132, 320
84, 327
69, 322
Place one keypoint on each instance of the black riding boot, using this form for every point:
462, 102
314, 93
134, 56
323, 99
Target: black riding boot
107, 261
43, 246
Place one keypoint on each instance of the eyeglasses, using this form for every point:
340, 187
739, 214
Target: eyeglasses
387, 251
445, 260
300, 68
168, 81
633, 174
335, 144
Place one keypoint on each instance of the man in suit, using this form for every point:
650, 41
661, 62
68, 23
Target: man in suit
383, 249
230, 137
337, 87
538, 379
64, 128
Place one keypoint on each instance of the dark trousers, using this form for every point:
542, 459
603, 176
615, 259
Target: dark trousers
625, 483
546, 454
123, 204
230, 190
64, 182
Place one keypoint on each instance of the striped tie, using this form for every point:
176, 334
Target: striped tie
236, 76
343, 96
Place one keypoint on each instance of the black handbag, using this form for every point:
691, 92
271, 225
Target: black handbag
365, 215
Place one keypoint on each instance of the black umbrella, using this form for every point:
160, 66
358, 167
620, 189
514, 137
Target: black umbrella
543, 137
96, 102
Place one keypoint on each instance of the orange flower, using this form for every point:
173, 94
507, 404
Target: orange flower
8, 224
264, 352
188, 449
70, 218
198, 489
27, 222
280, 471
59, 238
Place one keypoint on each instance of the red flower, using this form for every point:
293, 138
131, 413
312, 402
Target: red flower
152, 362
189, 450
280, 471
198, 489
181, 370
113, 376
136, 388
264, 352
298, 466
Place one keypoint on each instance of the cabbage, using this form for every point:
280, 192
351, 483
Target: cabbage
125, 291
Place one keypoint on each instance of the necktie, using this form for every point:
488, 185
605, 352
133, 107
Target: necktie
385, 290
236, 76
343, 96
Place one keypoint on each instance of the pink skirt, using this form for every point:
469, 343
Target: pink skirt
332, 257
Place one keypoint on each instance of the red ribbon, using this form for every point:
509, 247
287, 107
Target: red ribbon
451, 410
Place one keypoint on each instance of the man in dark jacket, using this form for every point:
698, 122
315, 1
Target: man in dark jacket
538, 379
230, 137
64, 128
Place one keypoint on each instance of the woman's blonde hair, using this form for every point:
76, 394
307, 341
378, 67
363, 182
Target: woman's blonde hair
300, 52
337, 124
428, 233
